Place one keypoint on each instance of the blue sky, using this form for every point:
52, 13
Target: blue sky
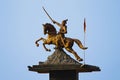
21, 24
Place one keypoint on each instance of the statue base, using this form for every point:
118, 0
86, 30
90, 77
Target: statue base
61, 66
63, 75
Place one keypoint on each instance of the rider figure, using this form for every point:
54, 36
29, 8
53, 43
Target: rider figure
63, 29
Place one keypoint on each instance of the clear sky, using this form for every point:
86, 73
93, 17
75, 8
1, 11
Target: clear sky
21, 24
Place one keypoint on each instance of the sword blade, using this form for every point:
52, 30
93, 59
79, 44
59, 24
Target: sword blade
47, 14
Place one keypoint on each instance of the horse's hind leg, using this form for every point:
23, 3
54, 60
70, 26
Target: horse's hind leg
74, 53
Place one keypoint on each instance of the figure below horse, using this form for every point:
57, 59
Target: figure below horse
60, 42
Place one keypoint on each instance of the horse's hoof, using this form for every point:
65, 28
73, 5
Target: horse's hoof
49, 50
84, 48
37, 45
80, 59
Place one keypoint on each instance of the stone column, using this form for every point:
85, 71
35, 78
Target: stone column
63, 75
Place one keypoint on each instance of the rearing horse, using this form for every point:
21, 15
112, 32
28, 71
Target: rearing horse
56, 39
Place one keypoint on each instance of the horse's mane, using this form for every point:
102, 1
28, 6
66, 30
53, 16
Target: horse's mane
51, 27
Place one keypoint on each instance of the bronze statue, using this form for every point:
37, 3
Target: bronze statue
55, 38
59, 39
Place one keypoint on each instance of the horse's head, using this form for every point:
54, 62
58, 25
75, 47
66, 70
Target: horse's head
45, 29
49, 29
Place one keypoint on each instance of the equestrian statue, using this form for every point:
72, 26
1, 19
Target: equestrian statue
58, 38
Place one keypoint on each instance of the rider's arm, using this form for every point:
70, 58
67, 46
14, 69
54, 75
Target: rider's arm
55, 22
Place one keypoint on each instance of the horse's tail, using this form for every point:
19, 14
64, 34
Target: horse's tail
78, 42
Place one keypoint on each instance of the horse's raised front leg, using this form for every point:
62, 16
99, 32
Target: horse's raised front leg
36, 42
45, 47
44, 42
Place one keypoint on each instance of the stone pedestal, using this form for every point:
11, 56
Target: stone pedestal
61, 66
63, 75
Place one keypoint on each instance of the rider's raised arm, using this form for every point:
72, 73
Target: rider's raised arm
55, 22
